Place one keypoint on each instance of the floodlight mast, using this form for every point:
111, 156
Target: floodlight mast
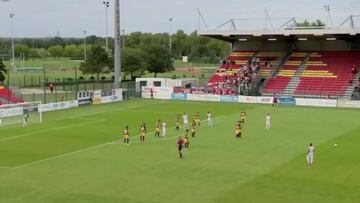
12, 41
107, 5
117, 46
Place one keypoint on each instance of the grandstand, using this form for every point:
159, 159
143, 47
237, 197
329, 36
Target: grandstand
8, 96
304, 62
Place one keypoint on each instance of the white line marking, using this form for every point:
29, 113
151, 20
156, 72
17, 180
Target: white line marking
4, 167
51, 129
61, 155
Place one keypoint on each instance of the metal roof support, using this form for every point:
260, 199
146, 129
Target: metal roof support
327, 9
233, 24
227, 22
268, 19
201, 19
352, 22
288, 22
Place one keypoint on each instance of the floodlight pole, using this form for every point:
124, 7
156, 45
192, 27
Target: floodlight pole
170, 33
85, 57
107, 5
117, 46
123, 38
12, 41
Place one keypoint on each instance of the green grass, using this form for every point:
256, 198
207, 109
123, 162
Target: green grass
180, 63
77, 156
62, 67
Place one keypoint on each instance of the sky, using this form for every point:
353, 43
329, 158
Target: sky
69, 18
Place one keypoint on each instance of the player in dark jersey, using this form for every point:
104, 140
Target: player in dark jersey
275, 100
180, 143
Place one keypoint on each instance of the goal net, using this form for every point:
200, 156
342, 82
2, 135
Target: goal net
21, 113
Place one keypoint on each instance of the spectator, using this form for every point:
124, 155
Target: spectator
51, 87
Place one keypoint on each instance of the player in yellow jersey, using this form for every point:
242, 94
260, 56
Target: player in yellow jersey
126, 135
197, 118
157, 128
243, 115
186, 141
142, 133
193, 124
238, 131
193, 132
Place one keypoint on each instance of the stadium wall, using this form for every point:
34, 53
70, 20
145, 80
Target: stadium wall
167, 93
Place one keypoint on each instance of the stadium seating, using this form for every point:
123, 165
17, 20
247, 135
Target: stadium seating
230, 67
265, 58
8, 95
282, 79
328, 73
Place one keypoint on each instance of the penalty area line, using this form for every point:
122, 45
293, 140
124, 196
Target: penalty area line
60, 156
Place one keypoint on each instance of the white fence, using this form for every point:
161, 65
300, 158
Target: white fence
58, 106
167, 93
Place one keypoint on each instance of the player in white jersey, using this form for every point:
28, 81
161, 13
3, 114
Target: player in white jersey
185, 120
310, 154
268, 121
209, 119
164, 129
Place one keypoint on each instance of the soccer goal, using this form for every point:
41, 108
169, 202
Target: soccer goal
21, 113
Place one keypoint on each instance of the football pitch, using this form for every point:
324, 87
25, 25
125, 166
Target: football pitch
77, 155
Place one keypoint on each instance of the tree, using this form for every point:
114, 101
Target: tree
180, 47
73, 51
38, 53
132, 60
3, 72
21, 49
305, 23
42, 52
97, 62
56, 51
157, 59
57, 41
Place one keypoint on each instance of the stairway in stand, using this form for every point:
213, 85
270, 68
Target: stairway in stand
295, 80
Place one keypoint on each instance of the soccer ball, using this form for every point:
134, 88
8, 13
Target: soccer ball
335, 145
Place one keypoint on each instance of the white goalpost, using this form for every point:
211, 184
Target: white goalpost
22, 113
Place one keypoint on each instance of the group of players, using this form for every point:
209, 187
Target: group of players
184, 142
161, 127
